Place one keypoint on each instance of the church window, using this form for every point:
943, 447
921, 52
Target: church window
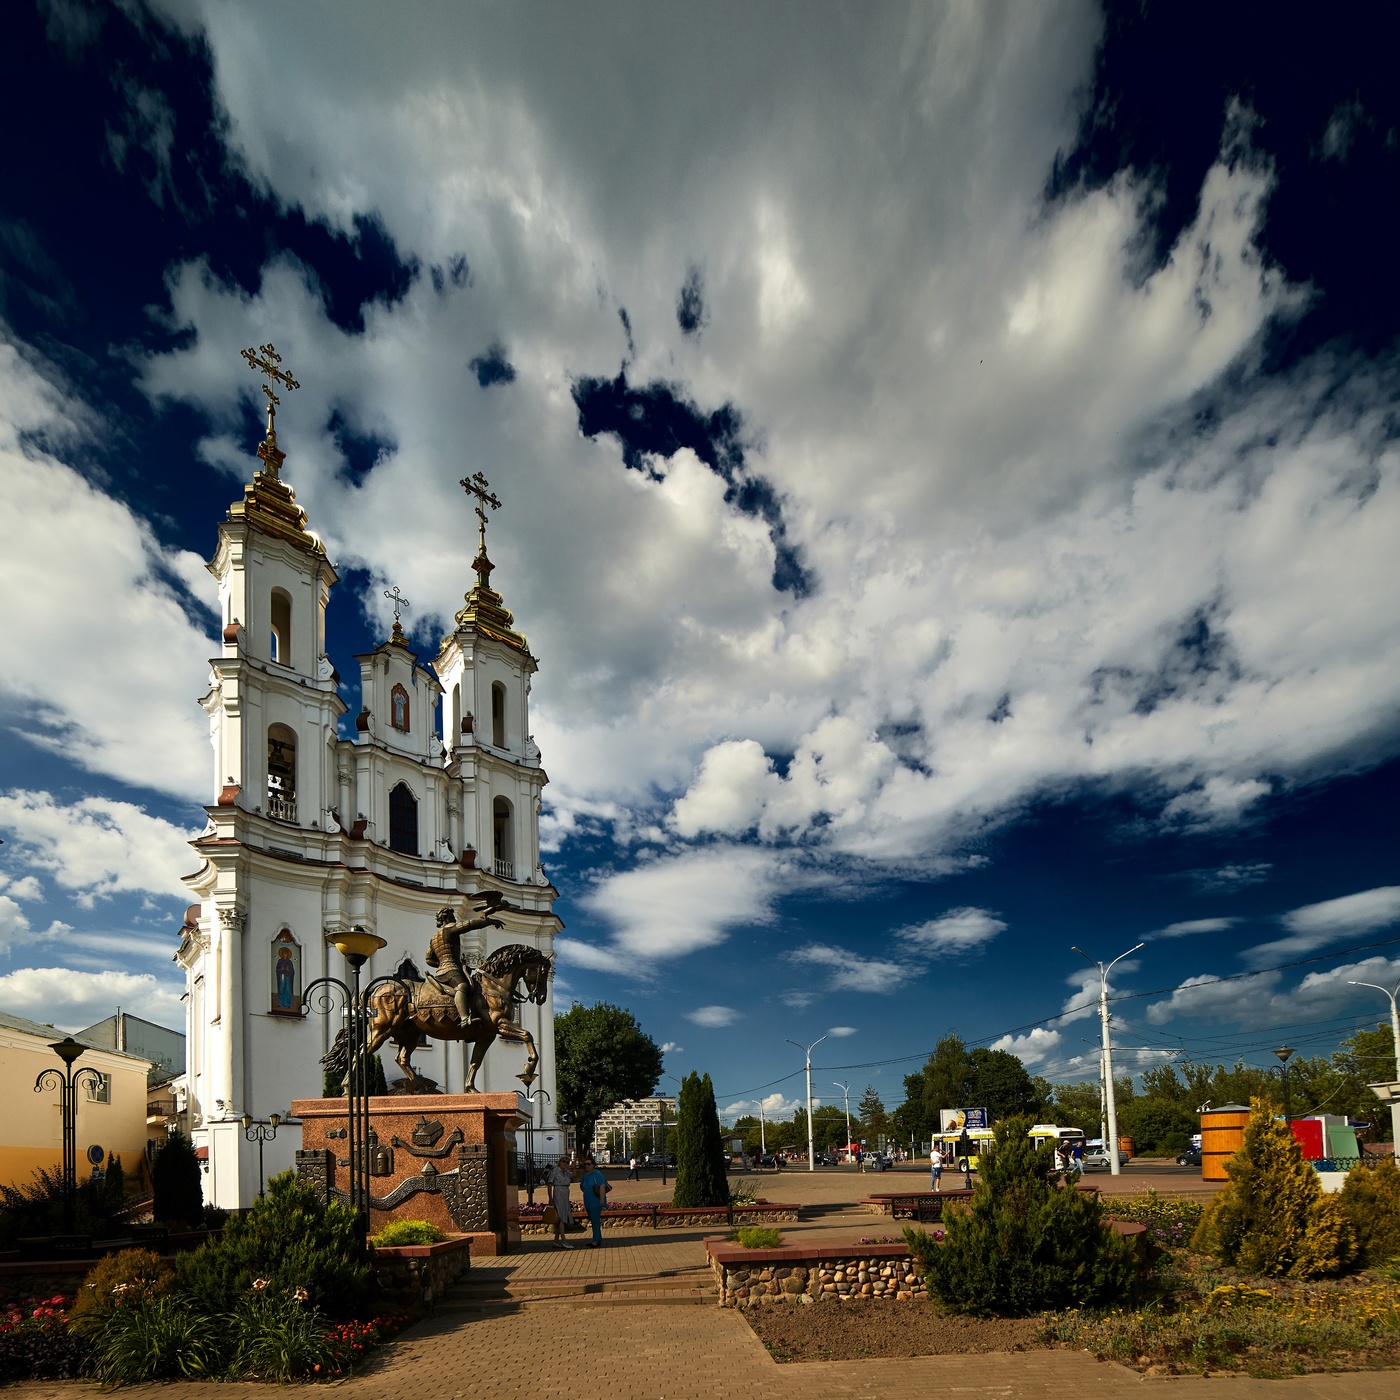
498, 715
281, 773
282, 626
403, 820
504, 838
398, 708
456, 714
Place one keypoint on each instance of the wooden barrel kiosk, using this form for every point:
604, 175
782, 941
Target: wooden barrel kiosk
1222, 1135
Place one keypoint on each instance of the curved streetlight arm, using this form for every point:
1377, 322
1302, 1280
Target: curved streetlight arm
807, 1051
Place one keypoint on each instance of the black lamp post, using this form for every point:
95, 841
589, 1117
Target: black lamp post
356, 946
531, 1098
260, 1130
1283, 1052
68, 1079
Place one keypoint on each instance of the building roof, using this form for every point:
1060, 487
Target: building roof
52, 1033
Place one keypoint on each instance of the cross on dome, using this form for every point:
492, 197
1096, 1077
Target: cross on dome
266, 361
401, 604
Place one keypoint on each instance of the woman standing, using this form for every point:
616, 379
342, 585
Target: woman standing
559, 1181
595, 1195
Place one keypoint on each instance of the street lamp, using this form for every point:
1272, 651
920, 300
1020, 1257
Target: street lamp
807, 1050
845, 1088
1113, 1164
68, 1079
356, 946
1283, 1053
1395, 1031
260, 1130
531, 1097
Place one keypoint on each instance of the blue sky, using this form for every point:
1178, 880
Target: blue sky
950, 477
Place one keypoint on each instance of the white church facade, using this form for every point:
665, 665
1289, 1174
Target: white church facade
435, 799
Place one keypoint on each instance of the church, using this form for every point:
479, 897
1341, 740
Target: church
434, 800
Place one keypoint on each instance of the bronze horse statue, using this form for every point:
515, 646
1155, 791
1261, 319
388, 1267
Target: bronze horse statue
394, 1015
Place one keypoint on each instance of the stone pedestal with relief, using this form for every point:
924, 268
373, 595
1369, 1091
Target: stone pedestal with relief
449, 1159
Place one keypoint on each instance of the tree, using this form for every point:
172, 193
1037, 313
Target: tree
1001, 1085
700, 1156
333, 1084
947, 1077
601, 1056
1027, 1243
1077, 1105
1159, 1127
874, 1121
828, 1127
177, 1189
1272, 1217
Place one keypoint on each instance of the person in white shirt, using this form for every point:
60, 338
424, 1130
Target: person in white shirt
936, 1166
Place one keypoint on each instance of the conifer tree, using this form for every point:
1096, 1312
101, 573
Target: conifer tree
176, 1185
700, 1176
1272, 1217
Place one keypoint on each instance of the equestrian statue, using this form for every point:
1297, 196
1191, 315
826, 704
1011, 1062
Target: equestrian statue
455, 1001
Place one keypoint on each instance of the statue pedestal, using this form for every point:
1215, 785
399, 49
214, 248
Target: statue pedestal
445, 1158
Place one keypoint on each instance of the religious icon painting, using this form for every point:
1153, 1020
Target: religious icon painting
286, 975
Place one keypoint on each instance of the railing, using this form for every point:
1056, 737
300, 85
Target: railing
281, 809
505, 869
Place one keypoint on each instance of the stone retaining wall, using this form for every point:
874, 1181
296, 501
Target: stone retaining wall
669, 1218
419, 1274
749, 1278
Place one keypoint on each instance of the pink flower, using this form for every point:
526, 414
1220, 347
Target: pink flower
259, 1284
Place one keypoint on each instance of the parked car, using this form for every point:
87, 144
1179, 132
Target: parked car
825, 1159
1096, 1157
1190, 1158
877, 1162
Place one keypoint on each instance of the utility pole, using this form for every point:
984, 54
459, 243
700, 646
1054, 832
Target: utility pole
1393, 1098
1113, 1164
846, 1090
1283, 1053
807, 1051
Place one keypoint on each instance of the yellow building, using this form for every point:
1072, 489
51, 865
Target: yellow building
111, 1115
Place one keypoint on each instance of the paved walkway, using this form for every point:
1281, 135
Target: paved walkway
552, 1352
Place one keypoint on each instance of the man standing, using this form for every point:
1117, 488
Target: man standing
936, 1166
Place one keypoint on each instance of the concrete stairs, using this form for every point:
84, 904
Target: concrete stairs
483, 1293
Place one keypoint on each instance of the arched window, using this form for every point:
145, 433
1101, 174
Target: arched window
403, 820
503, 833
398, 708
281, 773
456, 730
498, 715
282, 626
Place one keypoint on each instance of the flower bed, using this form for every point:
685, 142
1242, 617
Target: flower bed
414, 1274
795, 1275
641, 1215
35, 1343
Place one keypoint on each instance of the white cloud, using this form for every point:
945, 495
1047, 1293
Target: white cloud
713, 1016
1265, 999
850, 972
1186, 927
1030, 1048
1228, 878
70, 999
78, 559
841, 1031
96, 846
671, 1047
957, 931
675, 905
26, 888
776, 1107
1314, 926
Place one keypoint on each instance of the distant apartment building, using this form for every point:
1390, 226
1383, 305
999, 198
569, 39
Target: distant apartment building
164, 1048
631, 1125
111, 1111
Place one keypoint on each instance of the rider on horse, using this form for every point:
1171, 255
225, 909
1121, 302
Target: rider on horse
445, 951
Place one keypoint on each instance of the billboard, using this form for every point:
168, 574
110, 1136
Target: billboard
955, 1120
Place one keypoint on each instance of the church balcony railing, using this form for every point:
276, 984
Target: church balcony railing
505, 869
281, 809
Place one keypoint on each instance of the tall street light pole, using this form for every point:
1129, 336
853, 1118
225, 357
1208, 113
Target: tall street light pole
846, 1090
1113, 1164
68, 1080
807, 1051
1283, 1053
1395, 1031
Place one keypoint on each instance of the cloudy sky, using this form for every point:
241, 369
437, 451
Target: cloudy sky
950, 477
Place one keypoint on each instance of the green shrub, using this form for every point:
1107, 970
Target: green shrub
701, 1161
757, 1236
120, 1280
158, 1339
176, 1183
401, 1232
1170, 1224
1272, 1218
36, 1208
1371, 1201
290, 1239
279, 1337
1026, 1244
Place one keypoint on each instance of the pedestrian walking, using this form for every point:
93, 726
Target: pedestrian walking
595, 1195
935, 1160
632, 1173
559, 1180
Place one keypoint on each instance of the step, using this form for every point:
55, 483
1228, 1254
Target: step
692, 1287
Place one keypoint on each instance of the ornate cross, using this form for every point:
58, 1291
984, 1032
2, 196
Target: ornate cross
266, 361
401, 604
479, 487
